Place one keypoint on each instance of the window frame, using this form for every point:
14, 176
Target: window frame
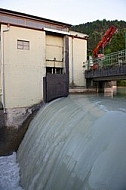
23, 45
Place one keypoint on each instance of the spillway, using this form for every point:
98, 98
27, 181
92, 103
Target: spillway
75, 143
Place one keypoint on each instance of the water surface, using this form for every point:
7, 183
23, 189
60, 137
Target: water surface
76, 143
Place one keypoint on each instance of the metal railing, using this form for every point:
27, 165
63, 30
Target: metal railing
111, 65
113, 59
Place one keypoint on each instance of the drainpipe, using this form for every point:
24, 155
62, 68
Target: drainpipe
72, 61
2, 65
125, 46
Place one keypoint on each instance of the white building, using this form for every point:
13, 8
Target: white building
30, 48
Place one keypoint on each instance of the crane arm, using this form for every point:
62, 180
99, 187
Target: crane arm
105, 40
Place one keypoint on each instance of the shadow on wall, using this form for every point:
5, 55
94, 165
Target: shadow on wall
1, 106
11, 137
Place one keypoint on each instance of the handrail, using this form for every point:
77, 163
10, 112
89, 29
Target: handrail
113, 59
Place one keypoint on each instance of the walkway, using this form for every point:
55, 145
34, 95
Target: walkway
109, 66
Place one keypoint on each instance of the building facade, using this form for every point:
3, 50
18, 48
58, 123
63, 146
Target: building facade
31, 47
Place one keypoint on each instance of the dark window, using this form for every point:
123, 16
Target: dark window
22, 44
54, 70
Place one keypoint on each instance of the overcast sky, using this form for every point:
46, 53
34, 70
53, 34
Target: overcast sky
70, 11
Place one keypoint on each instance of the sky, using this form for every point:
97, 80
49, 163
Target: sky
70, 11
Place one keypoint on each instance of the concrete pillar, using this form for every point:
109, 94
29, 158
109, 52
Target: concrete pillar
89, 83
100, 87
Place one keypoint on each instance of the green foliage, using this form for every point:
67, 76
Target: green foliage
121, 83
96, 31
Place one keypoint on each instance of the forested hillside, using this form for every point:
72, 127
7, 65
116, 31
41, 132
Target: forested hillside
96, 31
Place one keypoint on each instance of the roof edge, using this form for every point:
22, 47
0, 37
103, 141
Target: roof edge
25, 15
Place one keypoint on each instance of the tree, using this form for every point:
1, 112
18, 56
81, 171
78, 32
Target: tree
97, 29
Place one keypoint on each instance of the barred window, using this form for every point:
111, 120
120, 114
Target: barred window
22, 44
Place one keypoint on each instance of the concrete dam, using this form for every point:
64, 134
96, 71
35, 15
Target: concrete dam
76, 143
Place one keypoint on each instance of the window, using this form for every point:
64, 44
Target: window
22, 44
54, 70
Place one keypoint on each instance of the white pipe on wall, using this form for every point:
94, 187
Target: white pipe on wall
2, 65
72, 60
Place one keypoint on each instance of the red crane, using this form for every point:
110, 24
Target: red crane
105, 40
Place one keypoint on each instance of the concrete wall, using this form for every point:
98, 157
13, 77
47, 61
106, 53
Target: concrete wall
78, 55
23, 69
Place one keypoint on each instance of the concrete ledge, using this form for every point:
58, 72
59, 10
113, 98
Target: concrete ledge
16, 116
81, 90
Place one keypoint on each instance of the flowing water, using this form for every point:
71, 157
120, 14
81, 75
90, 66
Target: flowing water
76, 143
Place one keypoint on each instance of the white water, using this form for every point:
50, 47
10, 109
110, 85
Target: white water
76, 143
9, 173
